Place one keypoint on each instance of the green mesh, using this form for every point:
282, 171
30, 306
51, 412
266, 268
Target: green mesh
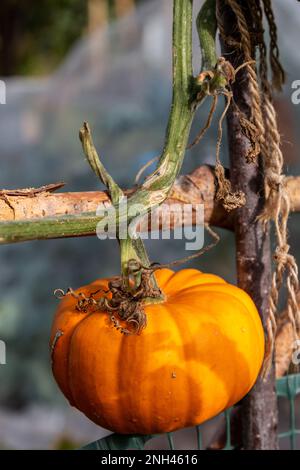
287, 387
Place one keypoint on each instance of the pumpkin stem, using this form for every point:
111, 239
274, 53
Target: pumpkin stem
129, 294
124, 300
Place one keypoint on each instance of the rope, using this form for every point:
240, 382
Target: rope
230, 199
278, 72
277, 208
246, 46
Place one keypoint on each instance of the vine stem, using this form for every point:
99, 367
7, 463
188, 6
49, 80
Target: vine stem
158, 185
155, 189
207, 30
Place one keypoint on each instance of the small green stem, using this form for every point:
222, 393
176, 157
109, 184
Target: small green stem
206, 23
157, 186
98, 168
207, 29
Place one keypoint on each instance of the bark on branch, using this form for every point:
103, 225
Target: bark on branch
195, 188
42, 215
253, 251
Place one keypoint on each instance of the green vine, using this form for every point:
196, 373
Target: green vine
188, 93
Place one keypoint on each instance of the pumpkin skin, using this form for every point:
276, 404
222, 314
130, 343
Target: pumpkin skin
200, 353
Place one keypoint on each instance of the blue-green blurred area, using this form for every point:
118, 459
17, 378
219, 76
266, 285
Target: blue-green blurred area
117, 77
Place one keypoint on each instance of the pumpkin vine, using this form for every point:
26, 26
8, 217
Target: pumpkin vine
130, 293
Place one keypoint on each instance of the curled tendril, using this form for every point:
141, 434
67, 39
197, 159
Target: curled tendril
59, 293
118, 326
133, 266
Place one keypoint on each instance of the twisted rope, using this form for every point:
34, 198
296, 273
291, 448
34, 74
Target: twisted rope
277, 208
278, 72
247, 48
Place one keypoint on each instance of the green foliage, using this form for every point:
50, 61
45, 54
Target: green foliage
52, 27
35, 36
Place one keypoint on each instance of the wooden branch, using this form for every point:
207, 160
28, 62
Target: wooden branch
195, 188
46, 215
253, 252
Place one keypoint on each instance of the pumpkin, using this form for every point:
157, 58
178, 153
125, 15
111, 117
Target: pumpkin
200, 353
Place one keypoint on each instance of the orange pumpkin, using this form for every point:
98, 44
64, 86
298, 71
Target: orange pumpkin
200, 353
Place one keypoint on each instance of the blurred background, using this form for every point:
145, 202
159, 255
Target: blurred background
107, 62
